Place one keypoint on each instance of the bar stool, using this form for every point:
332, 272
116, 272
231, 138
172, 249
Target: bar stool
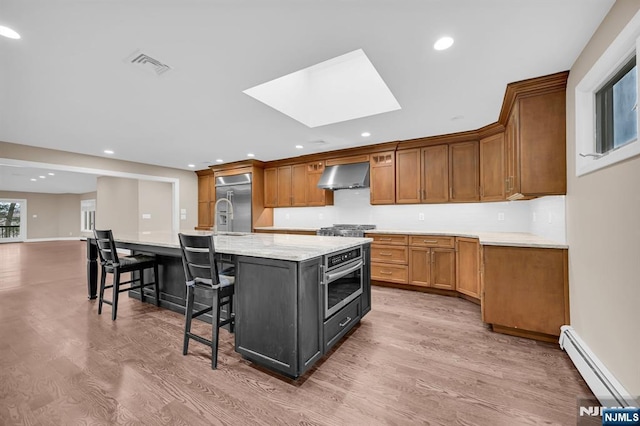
201, 272
113, 264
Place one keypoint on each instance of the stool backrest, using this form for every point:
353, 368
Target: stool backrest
199, 258
106, 247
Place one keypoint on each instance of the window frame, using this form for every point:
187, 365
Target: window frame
87, 209
619, 53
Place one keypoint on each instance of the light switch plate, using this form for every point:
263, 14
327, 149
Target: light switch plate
146, 215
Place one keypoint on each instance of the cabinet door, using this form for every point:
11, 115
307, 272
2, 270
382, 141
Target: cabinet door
408, 176
299, 185
492, 175
419, 266
204, 183
526, 288
316, 196
435, 174
284, 186
464, 172
443, 269
204, 214
512, 164
467, 266
383, 178
271, 187
542, 145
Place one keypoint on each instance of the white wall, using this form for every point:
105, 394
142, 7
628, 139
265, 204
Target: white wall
603, 231
352, 206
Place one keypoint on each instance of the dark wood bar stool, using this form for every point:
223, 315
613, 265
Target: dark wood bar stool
113, 264
201, 272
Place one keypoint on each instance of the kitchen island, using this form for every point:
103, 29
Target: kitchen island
285, 319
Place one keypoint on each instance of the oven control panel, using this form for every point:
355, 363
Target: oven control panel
343, 257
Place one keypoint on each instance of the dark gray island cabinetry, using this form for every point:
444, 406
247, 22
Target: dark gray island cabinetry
295, 296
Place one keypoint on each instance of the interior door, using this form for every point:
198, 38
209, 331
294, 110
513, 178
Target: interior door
13, 224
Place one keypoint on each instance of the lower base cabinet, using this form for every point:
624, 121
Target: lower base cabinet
468, 266
525, 290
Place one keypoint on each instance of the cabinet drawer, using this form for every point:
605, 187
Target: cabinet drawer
389, 254
389, 272
432, 241
394, 239
340, 323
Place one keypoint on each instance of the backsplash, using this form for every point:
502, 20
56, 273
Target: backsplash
543, 216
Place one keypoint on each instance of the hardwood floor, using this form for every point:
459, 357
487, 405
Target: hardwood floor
415, 359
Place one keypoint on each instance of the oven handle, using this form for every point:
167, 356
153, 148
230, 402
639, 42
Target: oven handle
340, 274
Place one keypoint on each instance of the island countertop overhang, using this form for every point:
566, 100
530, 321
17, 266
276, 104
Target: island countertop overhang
272, 246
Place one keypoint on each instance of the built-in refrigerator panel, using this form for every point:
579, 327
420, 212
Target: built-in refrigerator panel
236, 189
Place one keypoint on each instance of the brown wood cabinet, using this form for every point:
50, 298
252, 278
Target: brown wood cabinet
525, 290
468, 266
295, 186
464, 172
492, 173
389, 258
382, 177
316, 196
438, 174
206, 199
432, 262
535, 139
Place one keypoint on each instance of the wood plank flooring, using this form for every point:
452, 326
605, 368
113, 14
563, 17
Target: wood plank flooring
415, 359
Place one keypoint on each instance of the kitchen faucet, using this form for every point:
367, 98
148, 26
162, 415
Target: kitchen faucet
215, 214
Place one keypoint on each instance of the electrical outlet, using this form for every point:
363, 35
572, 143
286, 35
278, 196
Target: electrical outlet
146, 215
320, 216
534, 217
420, 216
287, 216
500, 216
550, 217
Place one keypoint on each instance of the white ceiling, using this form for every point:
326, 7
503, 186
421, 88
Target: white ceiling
18, 178
66, 85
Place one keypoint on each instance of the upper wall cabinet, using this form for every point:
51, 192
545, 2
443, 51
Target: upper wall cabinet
316, 196
535, 146
382, 177
438, 174
295, 186
206, 199
492, 174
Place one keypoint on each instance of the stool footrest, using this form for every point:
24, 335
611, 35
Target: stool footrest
202, 312
200, 339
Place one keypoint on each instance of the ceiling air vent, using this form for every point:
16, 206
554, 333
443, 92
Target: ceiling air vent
144, 61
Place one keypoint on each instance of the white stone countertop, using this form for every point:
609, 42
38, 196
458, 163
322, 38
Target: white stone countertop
271, 246
513, 239
285, 228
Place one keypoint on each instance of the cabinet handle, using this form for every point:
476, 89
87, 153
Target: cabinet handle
450, 193
346, 321
418, 193
506, 185
386, 254
386, 273
482, 191
384, 239
424, 192
430, 241
432, 257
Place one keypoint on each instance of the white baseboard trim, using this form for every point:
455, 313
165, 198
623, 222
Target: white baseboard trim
602, 383
39, 240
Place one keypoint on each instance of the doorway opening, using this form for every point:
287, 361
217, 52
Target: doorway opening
13, 220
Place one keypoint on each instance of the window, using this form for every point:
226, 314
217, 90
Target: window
606, 105
616, 110
87, 215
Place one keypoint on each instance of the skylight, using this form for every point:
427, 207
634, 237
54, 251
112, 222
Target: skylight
339, 89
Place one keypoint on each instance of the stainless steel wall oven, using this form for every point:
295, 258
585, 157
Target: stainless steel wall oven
342, 279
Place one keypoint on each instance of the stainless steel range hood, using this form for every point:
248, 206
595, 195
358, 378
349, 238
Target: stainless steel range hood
344, 176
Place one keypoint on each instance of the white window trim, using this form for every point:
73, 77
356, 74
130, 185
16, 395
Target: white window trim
626, 44
86, 205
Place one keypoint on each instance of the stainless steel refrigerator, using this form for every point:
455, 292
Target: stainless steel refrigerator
236, 189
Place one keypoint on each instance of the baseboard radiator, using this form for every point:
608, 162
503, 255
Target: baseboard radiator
602, 383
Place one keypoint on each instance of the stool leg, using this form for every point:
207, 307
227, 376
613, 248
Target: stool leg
141, 272
215, 319
103, 278
188, 316
232, 324
116, 291
156, 280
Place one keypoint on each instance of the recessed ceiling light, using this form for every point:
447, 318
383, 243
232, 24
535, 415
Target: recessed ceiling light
191, 165
51, 174
33, 179
299, 146
9, 33
365, 134
42, 177
108, 151
219, 160
443, 43
251, 155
